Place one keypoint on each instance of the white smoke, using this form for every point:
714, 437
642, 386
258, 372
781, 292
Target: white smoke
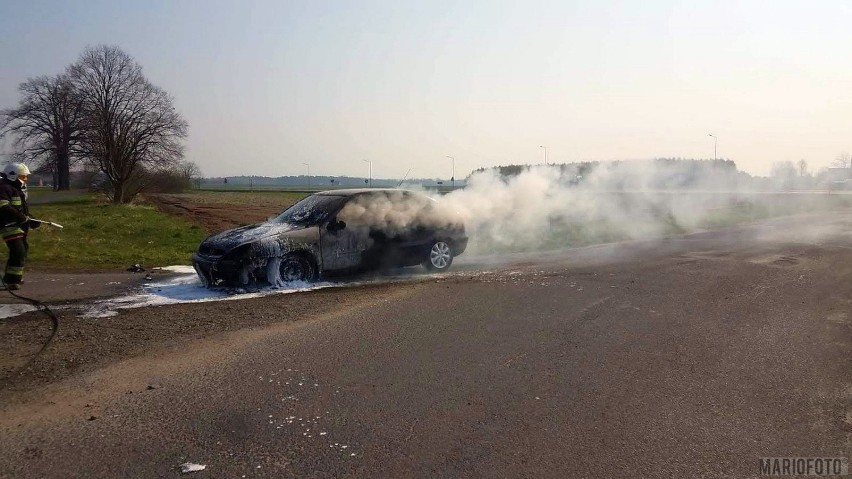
395, 210
549, 207
552, 207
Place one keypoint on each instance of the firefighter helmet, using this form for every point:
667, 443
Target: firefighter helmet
14, 171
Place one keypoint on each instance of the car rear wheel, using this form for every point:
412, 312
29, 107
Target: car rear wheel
292, 267
440, 256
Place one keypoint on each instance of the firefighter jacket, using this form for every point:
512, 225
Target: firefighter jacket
13, 210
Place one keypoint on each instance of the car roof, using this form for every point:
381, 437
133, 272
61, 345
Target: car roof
359, 191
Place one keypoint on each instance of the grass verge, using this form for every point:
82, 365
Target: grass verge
99, 235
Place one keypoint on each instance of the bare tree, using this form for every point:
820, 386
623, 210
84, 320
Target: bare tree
46, 125
802, 166
843, 160
131, 128
192, 173
176, 179
783, 174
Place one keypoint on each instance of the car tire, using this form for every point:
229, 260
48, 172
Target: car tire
296, 267
439, 257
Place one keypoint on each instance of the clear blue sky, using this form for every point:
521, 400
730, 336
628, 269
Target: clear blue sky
268, 86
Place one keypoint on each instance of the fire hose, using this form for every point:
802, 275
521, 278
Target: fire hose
54, 320
50, 223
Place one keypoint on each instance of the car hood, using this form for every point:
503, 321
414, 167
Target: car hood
232, 238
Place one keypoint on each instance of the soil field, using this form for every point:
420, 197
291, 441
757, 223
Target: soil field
218, 211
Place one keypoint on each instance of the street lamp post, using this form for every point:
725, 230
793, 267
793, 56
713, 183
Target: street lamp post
370, 179
545, 153
715, 143
309, 172
453, 178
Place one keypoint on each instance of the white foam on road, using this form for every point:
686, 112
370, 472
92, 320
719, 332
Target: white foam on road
12, 310
188, 467
184, 286
180, 268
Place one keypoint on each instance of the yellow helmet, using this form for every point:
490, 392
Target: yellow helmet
15, 170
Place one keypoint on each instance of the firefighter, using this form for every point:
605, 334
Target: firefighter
15, 221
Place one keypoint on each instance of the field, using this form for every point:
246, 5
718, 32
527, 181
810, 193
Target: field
104, 236
158, 230
219, 210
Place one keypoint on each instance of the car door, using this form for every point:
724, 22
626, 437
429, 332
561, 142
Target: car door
342, 247
418, 234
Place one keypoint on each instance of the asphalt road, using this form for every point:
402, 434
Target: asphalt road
692, 356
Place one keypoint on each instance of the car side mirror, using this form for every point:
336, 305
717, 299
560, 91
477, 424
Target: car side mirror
336, 225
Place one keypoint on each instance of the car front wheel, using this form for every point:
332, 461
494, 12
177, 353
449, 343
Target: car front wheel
292, 267
440, 256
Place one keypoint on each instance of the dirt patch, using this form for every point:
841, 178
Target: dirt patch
215, 216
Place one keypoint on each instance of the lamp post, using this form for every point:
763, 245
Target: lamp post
309, 172
715, 143
545, 153
370, 179
453, 178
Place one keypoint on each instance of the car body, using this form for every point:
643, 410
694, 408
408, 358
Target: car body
331, 232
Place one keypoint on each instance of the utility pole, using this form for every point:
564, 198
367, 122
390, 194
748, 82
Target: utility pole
370, 179
545, 153
715, 143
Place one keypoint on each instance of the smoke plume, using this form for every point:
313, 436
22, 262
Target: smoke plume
551, 207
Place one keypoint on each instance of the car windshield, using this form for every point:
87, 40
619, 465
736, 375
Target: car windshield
311, 211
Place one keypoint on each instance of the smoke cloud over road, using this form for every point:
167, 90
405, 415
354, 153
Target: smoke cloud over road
549, 207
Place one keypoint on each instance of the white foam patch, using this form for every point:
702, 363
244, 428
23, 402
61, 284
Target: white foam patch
188, 467
186, 287
180, 268
12, 310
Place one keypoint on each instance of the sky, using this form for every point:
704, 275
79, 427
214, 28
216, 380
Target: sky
290, 87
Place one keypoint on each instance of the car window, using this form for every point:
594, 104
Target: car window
389, 210
313, 210
356, 211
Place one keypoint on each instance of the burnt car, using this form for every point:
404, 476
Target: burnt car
334, 232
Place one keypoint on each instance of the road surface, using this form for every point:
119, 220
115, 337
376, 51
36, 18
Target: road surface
691, 356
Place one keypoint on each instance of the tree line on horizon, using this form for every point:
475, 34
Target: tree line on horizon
317, 180
102, 113
685, 173
658, 173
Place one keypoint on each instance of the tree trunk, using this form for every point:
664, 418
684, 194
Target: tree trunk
63, 171
118, 193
